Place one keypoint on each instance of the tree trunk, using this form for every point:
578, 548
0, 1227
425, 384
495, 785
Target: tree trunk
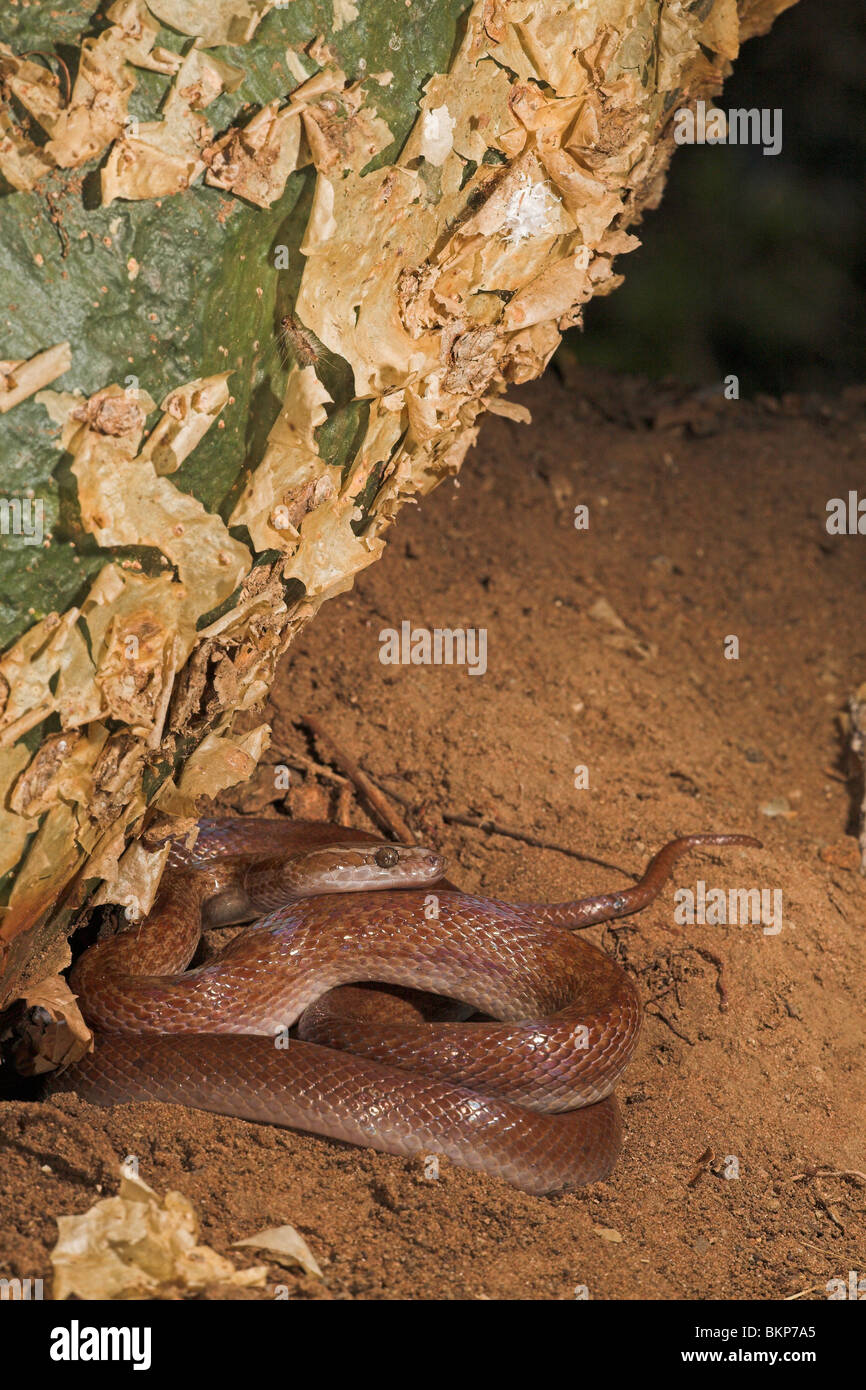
325, 236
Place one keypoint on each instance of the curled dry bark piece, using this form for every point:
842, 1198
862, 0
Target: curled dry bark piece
256, 161
22, 163
50, 1032
15, 826
214, 21
125, 501
23, 378
219, 762
188, 414
96, 111
291, 466
155, 159
116, 658
134, 881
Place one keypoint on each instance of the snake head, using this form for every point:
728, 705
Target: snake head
355, 867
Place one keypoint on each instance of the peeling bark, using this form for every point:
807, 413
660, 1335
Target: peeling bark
429, 283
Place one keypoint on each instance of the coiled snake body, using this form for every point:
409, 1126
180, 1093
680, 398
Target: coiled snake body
525, 1096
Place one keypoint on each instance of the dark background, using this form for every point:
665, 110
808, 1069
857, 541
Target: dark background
756, 264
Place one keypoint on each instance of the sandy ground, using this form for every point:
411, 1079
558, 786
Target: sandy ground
705, 522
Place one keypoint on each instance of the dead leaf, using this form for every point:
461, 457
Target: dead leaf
286, 1246
620, 635
609, 1233
138, 1245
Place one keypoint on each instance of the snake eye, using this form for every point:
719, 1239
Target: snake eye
386, 857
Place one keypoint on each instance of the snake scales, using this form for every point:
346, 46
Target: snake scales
525, 1095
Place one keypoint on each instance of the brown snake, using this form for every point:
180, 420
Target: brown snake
525, 1096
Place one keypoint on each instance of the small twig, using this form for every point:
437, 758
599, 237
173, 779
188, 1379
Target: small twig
787, 1006
664, 994
703, 1164
831, 1212
813, 1174
56, 220
789, 1298
407, 801
857, 744
375, 798
817, 1248
720, 976
49, 58
302, 764
344, 803
657, 1013
826, 1205
829, 1173
494, 828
